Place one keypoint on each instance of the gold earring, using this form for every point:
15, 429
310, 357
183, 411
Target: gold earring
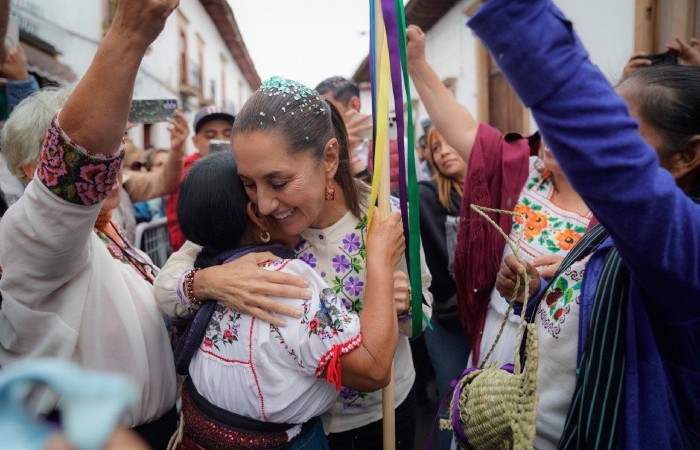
330, 192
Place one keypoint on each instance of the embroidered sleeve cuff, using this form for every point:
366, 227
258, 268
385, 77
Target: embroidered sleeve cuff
331, 361
72, 173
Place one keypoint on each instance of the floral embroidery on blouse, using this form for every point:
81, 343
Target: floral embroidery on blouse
73, 174
543, 227
228, 334
557, 300
280, 338
329, 318
351, 396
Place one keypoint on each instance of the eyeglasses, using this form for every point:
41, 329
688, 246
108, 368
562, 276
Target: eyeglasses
136, 166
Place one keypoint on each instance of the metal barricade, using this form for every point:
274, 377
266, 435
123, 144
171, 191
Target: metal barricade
153, 238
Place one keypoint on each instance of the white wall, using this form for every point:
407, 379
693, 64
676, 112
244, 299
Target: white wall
605, 27
75, 29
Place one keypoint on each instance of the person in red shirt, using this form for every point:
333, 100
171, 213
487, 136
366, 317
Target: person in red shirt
210, 123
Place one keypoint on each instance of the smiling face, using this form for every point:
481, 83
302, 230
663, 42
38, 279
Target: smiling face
287, 187
446, 159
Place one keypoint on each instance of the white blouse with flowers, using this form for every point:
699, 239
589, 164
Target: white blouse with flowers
337, 253
281, 375
547, 230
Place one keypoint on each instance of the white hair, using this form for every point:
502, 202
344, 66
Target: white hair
25, 129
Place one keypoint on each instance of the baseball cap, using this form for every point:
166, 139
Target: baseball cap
209, 113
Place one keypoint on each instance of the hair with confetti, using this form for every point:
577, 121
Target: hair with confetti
306, 121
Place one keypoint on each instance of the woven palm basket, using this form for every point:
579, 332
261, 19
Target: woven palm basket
498, 409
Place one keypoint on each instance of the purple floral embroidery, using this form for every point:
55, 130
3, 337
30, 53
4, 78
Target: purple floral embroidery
347, 303
353, 286
351, 242
309, 259
348, 394
341, 263
73, 174
300, 245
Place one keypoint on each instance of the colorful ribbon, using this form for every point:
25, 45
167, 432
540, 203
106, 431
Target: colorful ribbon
387, 65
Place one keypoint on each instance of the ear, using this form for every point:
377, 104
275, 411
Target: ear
29, 170
686, 161
354, 103
331, 157
255, 216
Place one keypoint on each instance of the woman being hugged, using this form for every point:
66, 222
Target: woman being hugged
296, 369
291, 150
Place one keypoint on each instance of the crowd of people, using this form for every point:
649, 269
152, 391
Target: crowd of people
281, 314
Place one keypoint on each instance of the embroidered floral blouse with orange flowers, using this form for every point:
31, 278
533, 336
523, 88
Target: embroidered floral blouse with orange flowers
549, 229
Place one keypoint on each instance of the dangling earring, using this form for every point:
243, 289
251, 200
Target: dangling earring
330, 192
264, 236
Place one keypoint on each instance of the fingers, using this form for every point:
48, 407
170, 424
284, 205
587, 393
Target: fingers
512, 265
547, 265
268, 317
545, 260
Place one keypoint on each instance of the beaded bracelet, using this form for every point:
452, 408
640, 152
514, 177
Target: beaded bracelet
189, 289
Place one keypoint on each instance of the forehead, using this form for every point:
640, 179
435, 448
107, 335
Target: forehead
259, 154
216, 124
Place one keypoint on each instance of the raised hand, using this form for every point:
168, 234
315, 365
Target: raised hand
15, 66
689, 54
142, 20
635, 62
415, 47
179, 132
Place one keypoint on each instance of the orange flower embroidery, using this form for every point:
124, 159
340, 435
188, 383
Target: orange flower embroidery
567, 239
536, 222
522, 209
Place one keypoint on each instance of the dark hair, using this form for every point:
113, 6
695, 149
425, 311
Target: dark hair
211, 207
340, 88
306, 122
669, 101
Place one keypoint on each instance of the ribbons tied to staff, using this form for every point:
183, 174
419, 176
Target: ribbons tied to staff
389, 75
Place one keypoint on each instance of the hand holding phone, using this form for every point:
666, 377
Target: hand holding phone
152, 110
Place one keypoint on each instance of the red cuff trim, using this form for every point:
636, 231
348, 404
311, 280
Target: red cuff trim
73, 174
332, 359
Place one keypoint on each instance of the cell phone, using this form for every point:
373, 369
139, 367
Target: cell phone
152, 110
669, 57
12, 36
219, 146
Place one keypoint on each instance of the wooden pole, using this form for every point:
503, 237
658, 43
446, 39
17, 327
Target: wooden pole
388, 408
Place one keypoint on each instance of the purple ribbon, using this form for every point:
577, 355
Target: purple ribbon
455, 394
392, 35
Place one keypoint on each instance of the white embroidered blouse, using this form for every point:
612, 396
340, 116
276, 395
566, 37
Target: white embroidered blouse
257, 370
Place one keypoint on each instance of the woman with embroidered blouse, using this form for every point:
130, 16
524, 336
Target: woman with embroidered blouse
504, 172
72, 286
291, 150
252, 381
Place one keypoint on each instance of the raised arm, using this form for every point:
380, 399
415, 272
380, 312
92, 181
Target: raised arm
451, 119
145, 186
95, 114
653, 223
